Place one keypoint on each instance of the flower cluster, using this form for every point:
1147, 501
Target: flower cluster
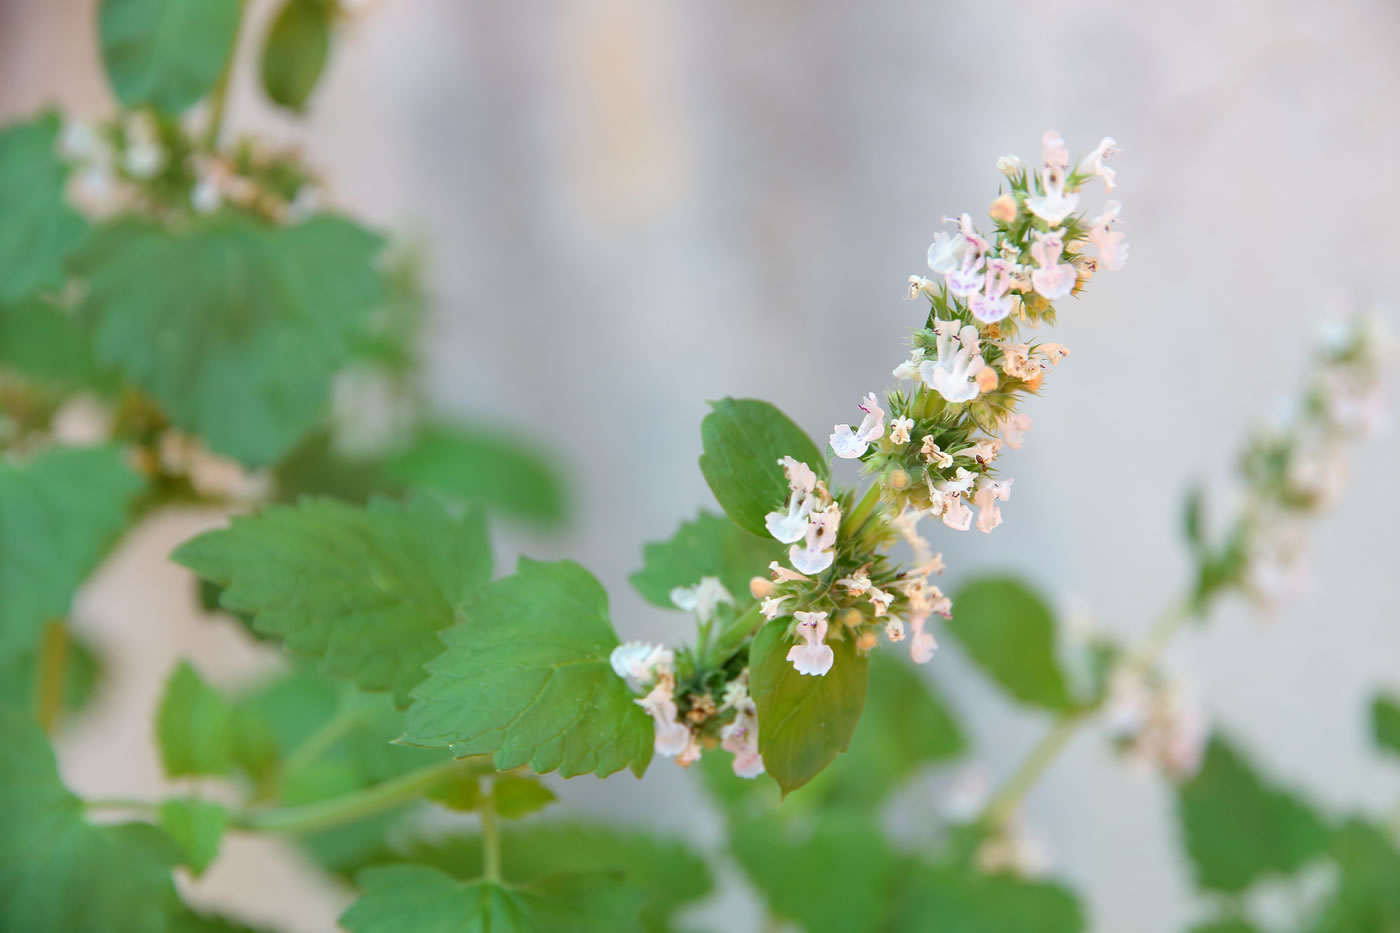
1155, 722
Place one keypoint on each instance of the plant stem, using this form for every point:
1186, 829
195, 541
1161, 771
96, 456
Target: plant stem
490, 838
120, 803
218, 100
1006, 800
316, 744
53, 662
356, 805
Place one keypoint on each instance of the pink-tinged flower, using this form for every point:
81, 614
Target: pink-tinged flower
817, 554
772, 607
702, 598
956, 514
672, 737
1003, 209
815, 657
783, 575
791, 525
967, 277
639, 663
953, 374
1053, 205
1016, 362
947, 252
984, 451
740, 738
1054, 352
993, 303
923, 644
692, 752
857, 583
1013, 430
1054, 279
851, 445
894, 629
1096, 162
934, 455
899, 430
989, 493
880, 601
909, 369
1113, 251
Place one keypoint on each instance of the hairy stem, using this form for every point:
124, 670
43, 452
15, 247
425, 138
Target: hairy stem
53, 663
490, 839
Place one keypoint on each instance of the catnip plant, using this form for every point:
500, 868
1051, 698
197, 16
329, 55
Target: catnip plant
186, 319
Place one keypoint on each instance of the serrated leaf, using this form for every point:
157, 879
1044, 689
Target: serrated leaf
58, 514
833, 874
234, 327
518, 796
803, 722
959, 900
196, 826
1385, 724
528, 679
194, 726
486, 467
1238, 829
744, 441
295, 52
1009, 632
411, 897
1366, 898
166, 53
708, 546
57, 872
37, 227
45, 344
364, 590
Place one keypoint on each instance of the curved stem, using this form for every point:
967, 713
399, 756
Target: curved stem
53, 663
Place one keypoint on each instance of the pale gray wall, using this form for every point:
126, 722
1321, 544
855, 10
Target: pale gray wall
635, 205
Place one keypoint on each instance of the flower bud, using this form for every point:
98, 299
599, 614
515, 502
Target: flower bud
897, 479
852, 617
1003, 209
866, 642
761, 587
1009, 165
987, 379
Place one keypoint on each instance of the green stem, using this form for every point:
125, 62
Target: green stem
53, 662
316, 744
218, 100
490, 839
863, 508
730, 640
356, 805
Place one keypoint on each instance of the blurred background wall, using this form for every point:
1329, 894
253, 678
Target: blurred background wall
632, 206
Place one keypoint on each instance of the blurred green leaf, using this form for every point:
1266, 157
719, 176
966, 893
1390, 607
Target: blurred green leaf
1009, 632
1385, 724
245, 368
411, 897
744, 441
82, 671
58, 514
196, 826
315, 468
1225, 926
709, 546
365, 590
804, 721
194, 726
958, 900
1367, 896
37, 227
514, 678
1193, 517
519, 795
45, 343
166, 53
1238, 829
479, 466
295, 52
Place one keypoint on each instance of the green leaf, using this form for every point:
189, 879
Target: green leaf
166, 53
295, 52
462, 793
1009, 631
196, 826
82, 672
476, 465
833, 875
194, 726
364, 590
57, 872
234, 327
1193, 517
744, 441
958, 900
528, 679
709, 546
518, 796
1237, 829
411, 897
58, 514
804, 721
45, 343
1225, 926
1366, 898
37, 227
1385, 724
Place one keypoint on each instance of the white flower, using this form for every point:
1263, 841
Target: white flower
815, 657
1095, 162
1112, 250
953, 374
1013, 430
772, 607
918, 285
693, 750
947, 252
894, 629
1052, 149
989, 492
1009, 165
1016, 362
956, 514
1054, 279
740, 738
672, 737
909, 369
984, 451
1054, 352
857, 583
1053, 205
783, 575
638, 662
702, 598
790, 526
851, 445
966, 277
993, 303
880, 601
899, 430
923, 644
817, 554
934, 455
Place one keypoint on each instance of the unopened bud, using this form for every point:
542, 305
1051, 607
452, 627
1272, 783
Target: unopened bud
852, 617
1003, 209
866, 641
1009, 165
987, 379
761, 587
897, 479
